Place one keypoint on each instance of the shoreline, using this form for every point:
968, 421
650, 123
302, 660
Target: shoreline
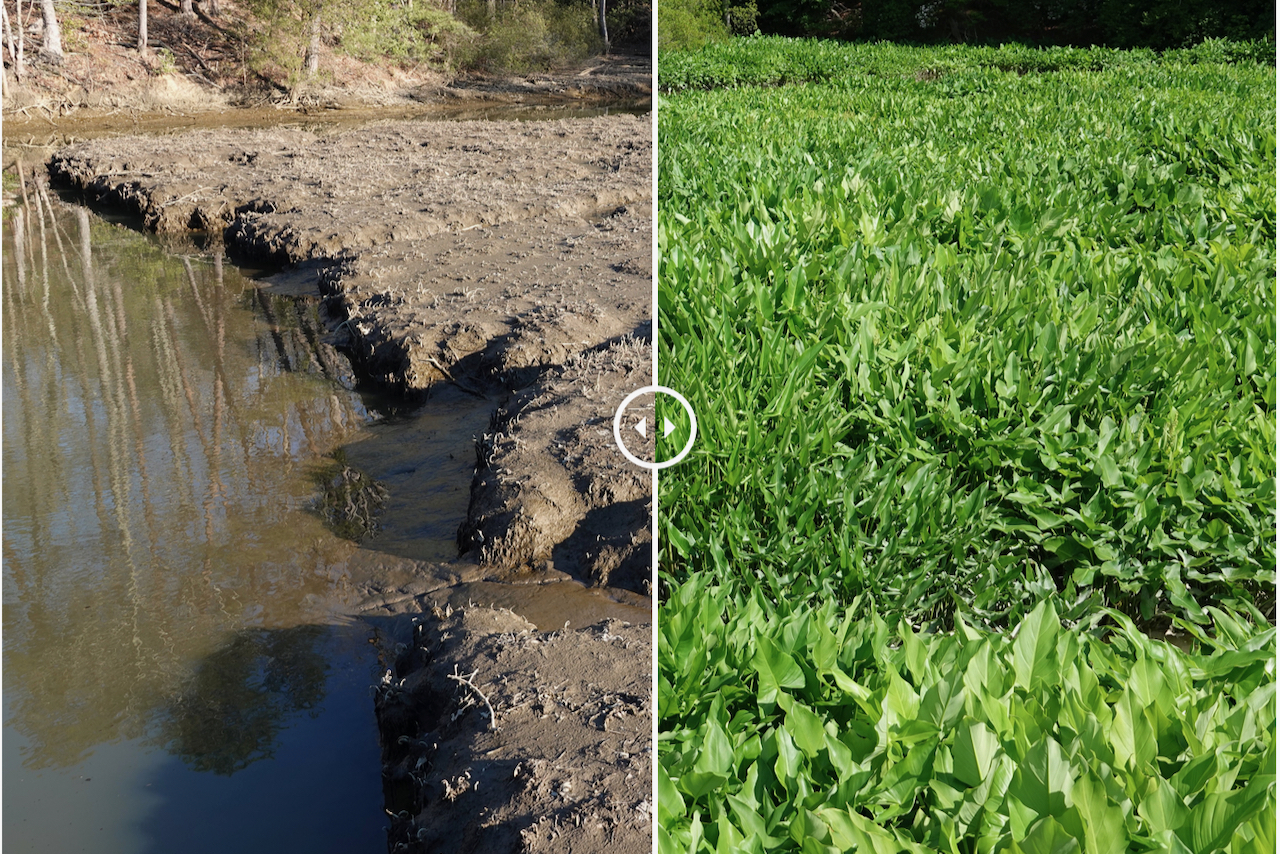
509, 260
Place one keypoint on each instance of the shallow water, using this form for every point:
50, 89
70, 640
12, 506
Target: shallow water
176, 672
37, 140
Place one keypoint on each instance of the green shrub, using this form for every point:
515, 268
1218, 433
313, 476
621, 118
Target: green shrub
688, 24
418, 33
743, 20
533, 36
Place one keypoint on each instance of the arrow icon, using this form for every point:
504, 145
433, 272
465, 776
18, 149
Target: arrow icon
667, 427
641, 429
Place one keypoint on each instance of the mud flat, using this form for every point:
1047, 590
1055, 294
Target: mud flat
498, 737
508, 262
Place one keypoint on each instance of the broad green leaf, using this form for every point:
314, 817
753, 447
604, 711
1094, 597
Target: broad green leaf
729, 840
804, 726
716, 755
776, 670
698, 783
787, 766
1216, 819
1097, 822
1161, 807
1043, 780
1047, 837
973, 752
751, 822
807, 825
670, 803
1034, 661
1132, 736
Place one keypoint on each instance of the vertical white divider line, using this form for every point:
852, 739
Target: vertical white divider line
653, 327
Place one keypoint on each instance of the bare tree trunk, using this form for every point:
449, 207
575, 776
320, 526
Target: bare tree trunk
185, 9
7, 33
52, 47
604, 27
493, 9
311, 59
142, 27
15, 44
212, 8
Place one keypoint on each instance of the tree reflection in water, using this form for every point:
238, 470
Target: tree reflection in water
243, 695
161, 420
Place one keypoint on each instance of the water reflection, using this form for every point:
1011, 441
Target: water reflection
242, 695
161, 422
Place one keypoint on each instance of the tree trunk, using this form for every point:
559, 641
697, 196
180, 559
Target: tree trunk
142, 27
311, 59
13, 46
52, 48
16, 50
604, 27
212, 8
493, 9
185, 9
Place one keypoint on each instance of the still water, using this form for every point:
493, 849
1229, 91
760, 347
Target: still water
176, 673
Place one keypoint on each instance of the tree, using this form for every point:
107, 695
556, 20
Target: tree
142, 27
52, 47
311, 59
17, 49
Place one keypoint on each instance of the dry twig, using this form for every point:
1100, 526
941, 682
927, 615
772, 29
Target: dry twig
493, 718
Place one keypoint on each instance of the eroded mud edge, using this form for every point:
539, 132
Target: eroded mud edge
515, 263
504, 257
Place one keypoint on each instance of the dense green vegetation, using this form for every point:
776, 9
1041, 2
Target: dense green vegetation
775, 61
973, 337
992, 354
819, 730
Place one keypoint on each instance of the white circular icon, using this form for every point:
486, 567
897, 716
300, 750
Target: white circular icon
667, 427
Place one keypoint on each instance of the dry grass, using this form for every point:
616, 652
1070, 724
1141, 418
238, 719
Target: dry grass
165, 93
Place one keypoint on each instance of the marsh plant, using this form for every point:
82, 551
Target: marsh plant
982, 343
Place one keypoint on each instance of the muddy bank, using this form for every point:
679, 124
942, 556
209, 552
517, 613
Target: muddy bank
288, 195
506, 264
620, 76
501, 738
482, 254
67, 105
551, 485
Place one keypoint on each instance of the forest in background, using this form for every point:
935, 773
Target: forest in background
287, 43
1154, 24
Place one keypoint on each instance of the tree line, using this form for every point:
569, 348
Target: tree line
1155, 24
499, 35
